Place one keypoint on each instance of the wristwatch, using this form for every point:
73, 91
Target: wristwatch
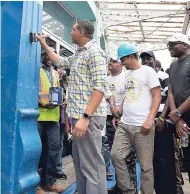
86, 116
177, 113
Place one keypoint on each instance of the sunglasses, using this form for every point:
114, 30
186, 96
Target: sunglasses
172, 44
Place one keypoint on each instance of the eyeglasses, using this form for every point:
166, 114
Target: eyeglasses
172, 44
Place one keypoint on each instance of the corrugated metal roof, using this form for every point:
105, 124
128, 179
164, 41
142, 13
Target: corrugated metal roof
142, 21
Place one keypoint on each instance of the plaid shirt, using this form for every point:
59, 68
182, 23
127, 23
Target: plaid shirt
87, 73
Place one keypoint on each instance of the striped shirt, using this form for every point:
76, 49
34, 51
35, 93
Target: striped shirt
88, 72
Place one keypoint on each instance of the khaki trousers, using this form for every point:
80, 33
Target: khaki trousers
126, 138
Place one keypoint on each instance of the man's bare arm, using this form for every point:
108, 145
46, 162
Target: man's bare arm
185, 107
171, 102
156, 94
95, 101
165, 110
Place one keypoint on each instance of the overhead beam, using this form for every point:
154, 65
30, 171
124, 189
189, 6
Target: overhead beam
138, 34
135, 37
105, 14
136, 20
131, 40
142, 10
148, 26
135, 26
170, 22
117, 21
140, 23
147, 2
186, 19
139, 31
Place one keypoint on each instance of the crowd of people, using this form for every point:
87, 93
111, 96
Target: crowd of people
119, 111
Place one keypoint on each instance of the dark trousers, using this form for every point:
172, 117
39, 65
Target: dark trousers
164, 162
50, 137
59, 158
186, 151
110, 130
106, 152
107, 141
186, 160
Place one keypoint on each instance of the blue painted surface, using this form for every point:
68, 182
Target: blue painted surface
71, 189
21, 145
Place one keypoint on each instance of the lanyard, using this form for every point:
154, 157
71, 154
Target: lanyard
50, 76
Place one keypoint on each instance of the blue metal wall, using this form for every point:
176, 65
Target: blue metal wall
21, 145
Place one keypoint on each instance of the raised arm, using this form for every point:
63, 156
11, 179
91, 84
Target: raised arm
62, 62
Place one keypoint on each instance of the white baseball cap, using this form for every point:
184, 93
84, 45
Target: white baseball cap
178, 37
115, 58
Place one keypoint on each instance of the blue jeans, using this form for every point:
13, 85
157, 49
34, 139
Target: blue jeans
50, 137
59, 168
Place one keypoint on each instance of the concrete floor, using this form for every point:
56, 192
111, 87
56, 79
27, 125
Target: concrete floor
69, 171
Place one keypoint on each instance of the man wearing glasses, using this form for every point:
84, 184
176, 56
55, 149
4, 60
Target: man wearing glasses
179, 88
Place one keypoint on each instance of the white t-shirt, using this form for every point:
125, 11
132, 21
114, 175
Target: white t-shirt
138, 98
117, 87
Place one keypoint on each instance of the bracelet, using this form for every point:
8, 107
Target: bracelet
161, 118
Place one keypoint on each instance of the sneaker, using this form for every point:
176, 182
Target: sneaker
61, 176
55, 188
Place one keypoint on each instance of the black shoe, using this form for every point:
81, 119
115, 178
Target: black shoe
61, 176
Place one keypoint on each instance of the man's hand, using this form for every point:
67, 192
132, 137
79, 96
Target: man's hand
160, 124
49, 106
173, 116
41, 38
115, 122
114, 110
81, 127
67, 127
147, 126
182, 128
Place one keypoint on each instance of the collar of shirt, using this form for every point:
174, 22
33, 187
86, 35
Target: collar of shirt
87, 45
47, 69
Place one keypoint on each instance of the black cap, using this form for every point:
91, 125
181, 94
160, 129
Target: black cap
150, 53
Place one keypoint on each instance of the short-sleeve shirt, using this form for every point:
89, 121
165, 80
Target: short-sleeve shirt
179, 80
138, 98
117, 87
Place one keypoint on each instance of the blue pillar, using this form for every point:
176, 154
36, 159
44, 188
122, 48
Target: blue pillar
21, 145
